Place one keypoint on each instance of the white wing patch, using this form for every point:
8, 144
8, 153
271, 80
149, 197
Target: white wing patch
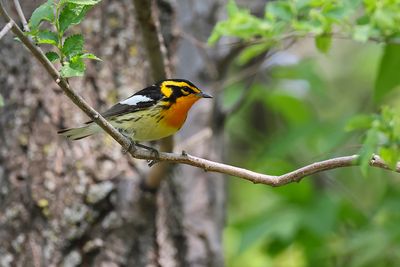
134, 100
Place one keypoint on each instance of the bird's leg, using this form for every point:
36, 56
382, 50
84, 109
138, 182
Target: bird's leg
130, 147
153, 151
132, 143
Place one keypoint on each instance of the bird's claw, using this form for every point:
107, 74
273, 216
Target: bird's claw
131, 147
154, 152
151, 162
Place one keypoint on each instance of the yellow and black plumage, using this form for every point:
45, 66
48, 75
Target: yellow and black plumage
152, 113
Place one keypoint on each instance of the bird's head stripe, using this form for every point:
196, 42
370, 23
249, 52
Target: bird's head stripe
135, 99
166, 90
168, 84
195, 89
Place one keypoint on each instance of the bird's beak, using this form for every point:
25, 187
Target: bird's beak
203, 95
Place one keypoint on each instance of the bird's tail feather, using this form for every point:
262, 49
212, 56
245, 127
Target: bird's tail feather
80, 132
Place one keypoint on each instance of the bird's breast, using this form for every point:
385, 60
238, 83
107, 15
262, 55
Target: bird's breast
176, 114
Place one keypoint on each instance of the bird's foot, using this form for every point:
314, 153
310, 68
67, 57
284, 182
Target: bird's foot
153, 151
131, 147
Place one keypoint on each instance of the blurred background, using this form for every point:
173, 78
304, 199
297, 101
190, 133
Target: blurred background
298, 116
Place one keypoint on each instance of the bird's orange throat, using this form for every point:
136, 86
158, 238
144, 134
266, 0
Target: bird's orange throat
176, 115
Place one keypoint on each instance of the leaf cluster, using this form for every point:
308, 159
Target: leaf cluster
49, 24
382, 135
360, 20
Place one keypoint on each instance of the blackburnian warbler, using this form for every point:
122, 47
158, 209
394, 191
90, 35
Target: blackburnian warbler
152, 113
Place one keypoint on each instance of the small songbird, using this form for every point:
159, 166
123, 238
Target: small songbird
152, 113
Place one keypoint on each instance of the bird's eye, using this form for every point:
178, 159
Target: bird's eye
185, 90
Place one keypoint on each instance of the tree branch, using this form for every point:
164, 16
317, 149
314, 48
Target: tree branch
6, 29
273, 180
21, 15
184, 158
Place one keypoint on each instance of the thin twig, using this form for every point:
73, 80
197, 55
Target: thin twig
21, 15
185, 158
247, 72
247, 89
6, 29
299, 35
202, 47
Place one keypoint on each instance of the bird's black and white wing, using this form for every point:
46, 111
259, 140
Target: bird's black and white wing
143, 99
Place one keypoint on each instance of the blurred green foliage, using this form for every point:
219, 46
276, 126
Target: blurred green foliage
361, 20
313, 110
338, 102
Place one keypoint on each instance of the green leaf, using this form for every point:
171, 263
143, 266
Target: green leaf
83, 2
279, 10
215, 35
52, 56
232, 8
390, 156
323, 42
47, 37
74, 68
291, 108
73, 45
359, 122
72, 14
1, 101
43, 12
388, 74
369, 147
340, 12
90, 56
253, 51
308, 26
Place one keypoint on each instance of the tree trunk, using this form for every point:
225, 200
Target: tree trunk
80, 203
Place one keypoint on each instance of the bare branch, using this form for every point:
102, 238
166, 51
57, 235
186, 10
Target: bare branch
207, 165
273, 180
21, 15
6, 29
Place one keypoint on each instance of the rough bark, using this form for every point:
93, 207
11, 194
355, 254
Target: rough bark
81, 203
